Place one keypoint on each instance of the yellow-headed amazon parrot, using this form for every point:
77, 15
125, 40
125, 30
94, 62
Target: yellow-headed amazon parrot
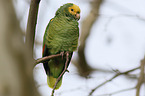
61, 35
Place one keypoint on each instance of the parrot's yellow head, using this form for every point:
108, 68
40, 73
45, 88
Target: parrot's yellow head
75, 11
70, 10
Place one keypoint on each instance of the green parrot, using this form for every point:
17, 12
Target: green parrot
61, 35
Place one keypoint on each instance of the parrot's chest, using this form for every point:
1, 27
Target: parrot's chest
63, 36
64, 43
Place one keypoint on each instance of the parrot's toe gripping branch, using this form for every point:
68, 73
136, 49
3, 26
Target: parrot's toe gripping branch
62, 54
67, 57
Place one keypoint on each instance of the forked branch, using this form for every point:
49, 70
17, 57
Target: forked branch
115, 76
141, 77
65, 69
117, 92
44, 59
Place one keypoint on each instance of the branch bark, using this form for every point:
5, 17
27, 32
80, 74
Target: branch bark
82, 65
141, 78
41, 60
31, 24
30, 34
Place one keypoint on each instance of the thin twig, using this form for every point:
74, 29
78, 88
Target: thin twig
65, 69
116, 92
117, 74
141, 77
41, 60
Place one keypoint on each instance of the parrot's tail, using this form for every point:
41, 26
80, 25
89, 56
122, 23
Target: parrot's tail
51, 82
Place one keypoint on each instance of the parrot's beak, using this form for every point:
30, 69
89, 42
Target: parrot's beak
77, 16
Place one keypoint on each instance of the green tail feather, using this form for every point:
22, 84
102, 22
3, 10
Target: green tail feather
51, 82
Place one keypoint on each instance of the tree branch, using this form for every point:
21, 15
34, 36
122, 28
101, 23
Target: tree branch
44, 59
41, 60
116, 92
65, 69
31, 24
117, 74
141, 78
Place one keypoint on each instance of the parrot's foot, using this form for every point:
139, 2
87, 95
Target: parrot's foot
62, 54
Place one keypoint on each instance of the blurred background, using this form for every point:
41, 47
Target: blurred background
112, 40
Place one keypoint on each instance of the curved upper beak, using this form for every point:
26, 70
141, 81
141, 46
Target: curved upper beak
77, 16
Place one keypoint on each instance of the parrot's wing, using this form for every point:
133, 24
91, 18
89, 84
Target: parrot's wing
45, 51
45, 37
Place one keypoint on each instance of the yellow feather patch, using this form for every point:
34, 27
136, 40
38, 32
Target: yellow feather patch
74, 9
51, 20
51, 82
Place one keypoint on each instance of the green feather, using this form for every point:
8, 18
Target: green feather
62, 35
63, 9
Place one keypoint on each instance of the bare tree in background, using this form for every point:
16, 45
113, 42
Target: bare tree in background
83, 67
16, 67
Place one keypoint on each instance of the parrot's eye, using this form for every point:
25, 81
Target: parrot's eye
72, 9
